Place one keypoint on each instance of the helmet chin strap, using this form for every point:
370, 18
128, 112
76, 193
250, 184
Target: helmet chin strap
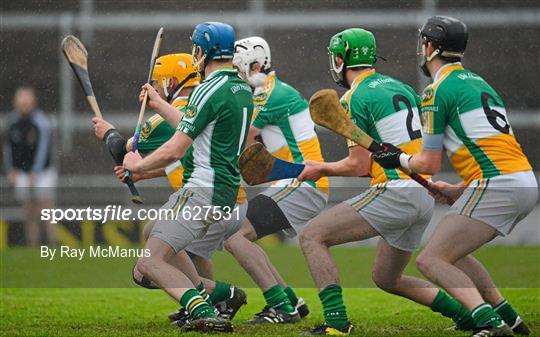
179, 87
426, 59
430, 57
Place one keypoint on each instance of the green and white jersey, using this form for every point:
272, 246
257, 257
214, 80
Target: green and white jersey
388, 110
287, 130
472, 117
217, 118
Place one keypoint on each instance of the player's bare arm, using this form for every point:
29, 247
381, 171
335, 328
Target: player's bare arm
427, 162
355, 165
120, 173
101, 126
254, 135
169, 152
160, 106
454, 191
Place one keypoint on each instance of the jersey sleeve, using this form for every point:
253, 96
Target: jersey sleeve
261, 117
358, 113
434, 110
195, 121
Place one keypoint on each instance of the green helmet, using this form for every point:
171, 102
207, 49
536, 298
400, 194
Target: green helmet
356, 47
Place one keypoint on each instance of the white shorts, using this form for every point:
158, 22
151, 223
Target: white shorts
500, 202
188, 220
43, 188
217, 234
399, 210
299, 202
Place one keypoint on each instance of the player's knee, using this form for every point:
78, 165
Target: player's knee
383, 282
424, 263
142, 280
145, 265
309, 237
248, 232
231, 243
137, 275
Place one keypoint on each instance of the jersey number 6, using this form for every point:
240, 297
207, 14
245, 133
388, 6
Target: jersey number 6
492, 114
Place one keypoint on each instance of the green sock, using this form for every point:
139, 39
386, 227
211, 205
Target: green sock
291, 295
202, 291
485, 315
449, 307
277, 298
335, 313
507, 313
222, 291
196, 305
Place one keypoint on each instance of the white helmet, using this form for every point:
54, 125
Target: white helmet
248, 51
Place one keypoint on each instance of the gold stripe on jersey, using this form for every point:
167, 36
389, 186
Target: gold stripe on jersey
175, 178
347, 96
428, 126
261, 97
310, 150
503, 150
241, 198
378, 174
179, 102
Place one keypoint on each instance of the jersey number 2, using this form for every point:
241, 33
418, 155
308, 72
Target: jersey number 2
413, 134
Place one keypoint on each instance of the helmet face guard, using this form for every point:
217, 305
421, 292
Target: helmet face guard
338, 73
199, 64
422, 57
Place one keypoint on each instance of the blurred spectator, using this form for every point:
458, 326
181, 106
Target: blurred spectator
27, 156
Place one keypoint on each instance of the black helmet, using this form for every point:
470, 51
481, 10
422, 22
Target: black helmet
448, 35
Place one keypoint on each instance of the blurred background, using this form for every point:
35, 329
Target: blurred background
504, 48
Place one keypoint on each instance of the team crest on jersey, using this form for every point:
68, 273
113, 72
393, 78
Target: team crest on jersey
427, 95
260, 98
146, 129
191, 111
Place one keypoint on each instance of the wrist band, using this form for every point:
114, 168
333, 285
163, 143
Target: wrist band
404, 160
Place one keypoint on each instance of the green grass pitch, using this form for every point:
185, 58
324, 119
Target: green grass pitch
131, 311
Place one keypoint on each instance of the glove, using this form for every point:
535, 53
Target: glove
388, 157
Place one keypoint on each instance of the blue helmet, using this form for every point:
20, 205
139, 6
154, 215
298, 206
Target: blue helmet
215, 39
